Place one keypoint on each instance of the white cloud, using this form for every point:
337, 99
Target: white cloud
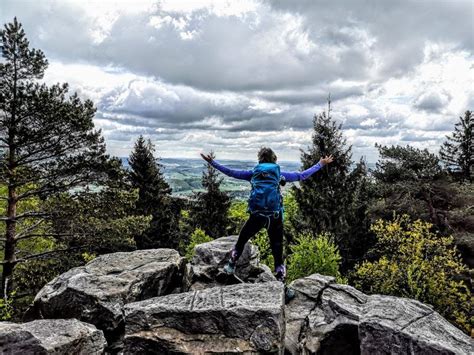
234, 75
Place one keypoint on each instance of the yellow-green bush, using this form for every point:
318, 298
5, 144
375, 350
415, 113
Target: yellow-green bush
262, 242
412, 261
313, 255
198, 237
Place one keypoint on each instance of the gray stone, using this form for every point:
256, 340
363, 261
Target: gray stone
244, 318
393, 325
96, 293
51, 336
327, 318
205, 268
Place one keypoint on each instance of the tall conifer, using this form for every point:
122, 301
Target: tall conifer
211, 206
48, 143
458, 150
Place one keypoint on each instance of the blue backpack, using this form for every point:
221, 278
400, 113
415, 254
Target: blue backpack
265, 197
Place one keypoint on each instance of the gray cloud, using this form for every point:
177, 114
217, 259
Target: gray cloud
432, 101
239, 79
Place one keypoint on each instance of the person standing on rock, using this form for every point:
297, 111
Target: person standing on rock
265, 203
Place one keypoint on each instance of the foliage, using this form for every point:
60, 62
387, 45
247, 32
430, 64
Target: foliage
6, 308
154, 197
262, 241
210, 209
99, 222
313, 255
146, 175
411, 181
49, 144
328, 198
237, 216
457, 151
412, 261
198, 237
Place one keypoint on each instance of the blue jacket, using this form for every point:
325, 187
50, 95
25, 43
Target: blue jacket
247, 174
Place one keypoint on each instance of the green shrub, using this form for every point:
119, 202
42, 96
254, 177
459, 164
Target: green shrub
6, 308
263, 244
198, 237
237, 216
313, 255
412, 261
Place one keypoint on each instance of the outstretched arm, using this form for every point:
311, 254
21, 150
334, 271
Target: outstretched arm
303, 175
238, 174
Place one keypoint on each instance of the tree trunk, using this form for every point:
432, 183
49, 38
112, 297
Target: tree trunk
10, 230
10, 245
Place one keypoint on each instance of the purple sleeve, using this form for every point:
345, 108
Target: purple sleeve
238, 174
301, 175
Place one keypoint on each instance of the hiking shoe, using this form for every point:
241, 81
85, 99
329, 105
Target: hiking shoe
229, 268
289, 294
280, 273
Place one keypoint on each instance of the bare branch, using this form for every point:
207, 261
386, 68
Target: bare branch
41, 255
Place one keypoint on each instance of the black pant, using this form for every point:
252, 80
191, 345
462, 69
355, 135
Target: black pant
274, 227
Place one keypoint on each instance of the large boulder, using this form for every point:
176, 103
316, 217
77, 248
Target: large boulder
51, 336
205, 268
244, 318
327, 318
96, 293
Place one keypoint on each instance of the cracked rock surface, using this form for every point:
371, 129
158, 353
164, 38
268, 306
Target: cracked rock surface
205, 269
328, 318
137, 300
51, 336
96, 293
244, 318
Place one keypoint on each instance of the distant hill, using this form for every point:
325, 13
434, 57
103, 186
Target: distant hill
184, 175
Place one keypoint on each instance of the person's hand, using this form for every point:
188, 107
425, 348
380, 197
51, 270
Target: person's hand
326, 160
207, 158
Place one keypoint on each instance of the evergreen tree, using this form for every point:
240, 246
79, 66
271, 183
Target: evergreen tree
327, 200
410, 181
146, 175
210, 210
154, 198
48, 142
458, 151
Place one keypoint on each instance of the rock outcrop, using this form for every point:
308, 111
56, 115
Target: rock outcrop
205, 268
96, 293
140, 300
328, 318
245, 318
51, 336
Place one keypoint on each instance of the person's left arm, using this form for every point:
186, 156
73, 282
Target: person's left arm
303, 175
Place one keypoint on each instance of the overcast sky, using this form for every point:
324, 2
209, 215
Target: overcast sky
232, 76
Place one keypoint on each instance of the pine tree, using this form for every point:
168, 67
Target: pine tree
327, 200
210, 210
146, 176
48, 143
458, 151
154, 197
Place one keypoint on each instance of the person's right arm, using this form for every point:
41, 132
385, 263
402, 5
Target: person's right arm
237, 174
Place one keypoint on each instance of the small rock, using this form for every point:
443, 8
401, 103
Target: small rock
96, 293
51, 336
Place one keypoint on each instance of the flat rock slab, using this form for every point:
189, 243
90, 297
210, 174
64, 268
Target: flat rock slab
96, 293
244, 318
327, 318
205, 268
51, 336
394, 325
